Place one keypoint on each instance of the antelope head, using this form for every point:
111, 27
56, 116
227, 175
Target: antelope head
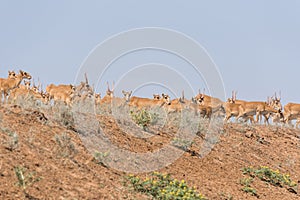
166, 98
11, 74
276, 102
110, 92
27, 84
97, 96
25, 75
233, 97
127, 95
156, 96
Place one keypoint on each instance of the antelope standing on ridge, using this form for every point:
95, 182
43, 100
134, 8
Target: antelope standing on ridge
6, 85
21, 91
291, 112
140, 102
156, 96
208, 101
232, 109
109, 95
11, 74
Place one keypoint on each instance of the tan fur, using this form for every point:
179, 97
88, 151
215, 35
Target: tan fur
149, 103
291, 112
6, 85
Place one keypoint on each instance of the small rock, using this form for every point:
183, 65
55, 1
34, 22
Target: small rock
248, 134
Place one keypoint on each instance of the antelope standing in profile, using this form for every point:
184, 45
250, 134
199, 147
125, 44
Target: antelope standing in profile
6, 85
257, 108
64, 93
52, 89
140, 102
232, 109
291, 112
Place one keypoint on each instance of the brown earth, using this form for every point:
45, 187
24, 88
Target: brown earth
69, 171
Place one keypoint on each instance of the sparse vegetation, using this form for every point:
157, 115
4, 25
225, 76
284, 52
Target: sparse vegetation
182, 144
101, 158
144, 118
268, 175
246, 183
25, 178
66, 148
12, 142
225, 196
162, 186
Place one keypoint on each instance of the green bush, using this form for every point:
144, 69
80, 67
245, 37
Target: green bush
264, 173
144, 118
274, 177
25, 178
162, 186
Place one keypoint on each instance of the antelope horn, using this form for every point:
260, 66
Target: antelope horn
107, 86
235, 95
183, 94
86, 79
279, 95
33, 83
39, 83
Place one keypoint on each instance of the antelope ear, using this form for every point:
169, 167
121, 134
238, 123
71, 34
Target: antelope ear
163, 94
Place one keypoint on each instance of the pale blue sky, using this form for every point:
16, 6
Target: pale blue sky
255, 44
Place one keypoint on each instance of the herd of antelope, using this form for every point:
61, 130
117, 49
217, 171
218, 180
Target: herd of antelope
203, 105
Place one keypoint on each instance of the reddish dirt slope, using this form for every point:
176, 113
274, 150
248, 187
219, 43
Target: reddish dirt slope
70, 172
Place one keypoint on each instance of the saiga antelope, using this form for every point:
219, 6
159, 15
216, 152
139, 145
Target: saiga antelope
21, 91
232, 108
291, 112
156, 96
8, 84
205, 111
140, 102
209, 101
177, 105
11, 74
109, 95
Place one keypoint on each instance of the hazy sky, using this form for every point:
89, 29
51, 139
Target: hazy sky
255, 44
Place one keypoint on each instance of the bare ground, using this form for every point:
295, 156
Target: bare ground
69, 171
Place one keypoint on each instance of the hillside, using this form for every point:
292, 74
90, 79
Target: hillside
52, 148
